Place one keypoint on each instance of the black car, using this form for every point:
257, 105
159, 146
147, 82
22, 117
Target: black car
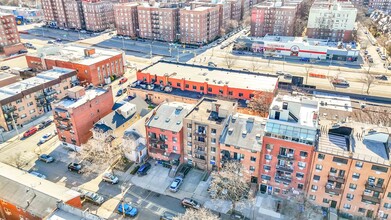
22, 51
4, 67
142, 171
381, 77
75, 167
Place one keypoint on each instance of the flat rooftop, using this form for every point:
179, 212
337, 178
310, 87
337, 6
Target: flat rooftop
18, 187
5, 75
214, 76
68, 103
74, 54
204, 112
306, 107
169, 116
268, 4
310, 42
244, 131
367, 142
333, 101
37, 81
333, 5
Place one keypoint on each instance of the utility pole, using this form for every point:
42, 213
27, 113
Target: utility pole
124, 190
13, 122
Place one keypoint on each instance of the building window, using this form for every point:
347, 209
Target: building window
362, 210
213, 149
23, 116
213, 131
340, 160
213, 140
389, 195
318, 167
32, 111
252, 169
210, 89
321, 156
359, 164
346, 206
21, 108
195, 87
301, 164
268, 157
253, 159
387, 205
230, 93
240, 94
300, 175
312, 197
314, 187
352, 186
356, 176
303, 154
350, 196
201, 88
379, 168
174, 139
325, 201
18, 101
266, 167
316, 177
300, 186
178, 84
266, 177
333, 170
189, 125
187, 86
269, 146
30, 104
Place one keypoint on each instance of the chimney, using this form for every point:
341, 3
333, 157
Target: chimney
89, 51
76, 92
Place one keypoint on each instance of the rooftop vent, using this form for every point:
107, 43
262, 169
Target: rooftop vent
178, 122
244, 132
258, 136
230, 130
156, 117
167, 120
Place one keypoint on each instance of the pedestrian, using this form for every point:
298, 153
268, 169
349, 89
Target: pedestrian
21, 125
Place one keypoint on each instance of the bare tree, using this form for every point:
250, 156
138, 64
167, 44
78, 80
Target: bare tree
194, 214
239, 45
369, 78
260, 103
98, 153
373, 115
307, 73
17, 160
299, 27
246, 21
232, 25
229, 183
299, 207
229, 59
255, 64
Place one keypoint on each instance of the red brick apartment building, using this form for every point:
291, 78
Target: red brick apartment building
165, 132
98, 15
205, 80
9, 35
24, 196
126, 19
288, 145
93, 65
76, 114
351, 171
158, 21
273, 18
199, 25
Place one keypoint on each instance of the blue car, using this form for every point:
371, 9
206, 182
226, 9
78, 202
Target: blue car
127, 209
119, 93
142, 171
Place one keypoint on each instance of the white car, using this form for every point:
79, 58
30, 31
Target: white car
45, 138
127, 38
40, 175
83, 31
110, 178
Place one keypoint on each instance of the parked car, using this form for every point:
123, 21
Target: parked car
134, 84
280, 73
383, 57
83, 31
287, 76
144, 169
94, 198
381, 77
378, 49
45, 138
127, 209
75, 167
110, 178
167, 216
46, 158
40, 175
366, 52
123, 80
4, 67
370, 59
119, 93
190, 203
174, 187
47, 122
58, 40
22, 51
30, 131
212, 64
50, 42
340, 82
151, 86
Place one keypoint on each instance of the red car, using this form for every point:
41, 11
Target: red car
30, 132
123, 80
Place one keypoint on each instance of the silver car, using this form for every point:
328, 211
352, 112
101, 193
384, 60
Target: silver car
94, 198
110, 178
174, 187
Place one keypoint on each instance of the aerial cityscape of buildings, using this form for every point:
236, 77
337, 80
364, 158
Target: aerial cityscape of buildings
162, 97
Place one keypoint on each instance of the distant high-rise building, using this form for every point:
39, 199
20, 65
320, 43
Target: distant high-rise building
126, 19
9, 35
98, 15
273, 18
383, 5
332, 20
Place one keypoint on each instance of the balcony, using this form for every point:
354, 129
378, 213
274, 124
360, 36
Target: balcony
373, 187
338, 179
64, 127
50, 92
334, 191
286, 156
60, 118
39, 96
155, 150
8, 109
285, 168
200, 152
156, 140
284, 179
370, 199
200, 134
199, 160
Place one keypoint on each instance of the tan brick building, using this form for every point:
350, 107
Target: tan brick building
351, 170
273, 18
76, 114
201, 132
9, 35
199, 25
98, 15
126, 19
158, 21
23, 101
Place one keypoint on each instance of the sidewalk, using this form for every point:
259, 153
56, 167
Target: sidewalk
9, 136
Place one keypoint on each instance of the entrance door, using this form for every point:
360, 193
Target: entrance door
277, 115
333, 204
263, 188
369, 214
